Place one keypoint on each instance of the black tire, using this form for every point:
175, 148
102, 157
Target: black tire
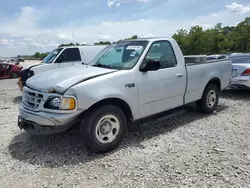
203, 104
89, 123
14, 75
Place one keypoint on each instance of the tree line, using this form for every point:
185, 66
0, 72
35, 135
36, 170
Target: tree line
36, 56
216, 40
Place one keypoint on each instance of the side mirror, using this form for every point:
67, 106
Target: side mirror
60, 58
150, 65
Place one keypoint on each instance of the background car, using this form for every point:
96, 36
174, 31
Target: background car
8, 70
241, 71
217, 56
234, 54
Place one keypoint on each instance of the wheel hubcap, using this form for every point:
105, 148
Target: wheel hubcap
211, 98
107, 129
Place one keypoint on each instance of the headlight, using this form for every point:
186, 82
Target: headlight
60, 103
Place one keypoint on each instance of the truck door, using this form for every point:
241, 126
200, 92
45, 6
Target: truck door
163, 89
68, 57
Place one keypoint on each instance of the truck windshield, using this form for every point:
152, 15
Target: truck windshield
49, 58
123, 55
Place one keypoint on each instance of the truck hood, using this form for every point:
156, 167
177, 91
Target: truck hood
60, 80
32, 65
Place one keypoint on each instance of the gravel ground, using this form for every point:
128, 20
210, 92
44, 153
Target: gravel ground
189, 150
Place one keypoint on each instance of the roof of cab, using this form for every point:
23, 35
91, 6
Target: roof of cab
82, 46
150, 39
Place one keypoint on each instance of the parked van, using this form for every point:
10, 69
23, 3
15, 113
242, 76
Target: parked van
61, 57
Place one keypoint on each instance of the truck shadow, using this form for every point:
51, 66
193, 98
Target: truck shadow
236, 94
66, 148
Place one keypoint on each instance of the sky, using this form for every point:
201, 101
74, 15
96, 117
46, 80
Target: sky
27, 26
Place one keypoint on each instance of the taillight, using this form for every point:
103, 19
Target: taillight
246, 73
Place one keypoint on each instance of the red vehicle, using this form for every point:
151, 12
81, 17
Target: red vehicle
9, 70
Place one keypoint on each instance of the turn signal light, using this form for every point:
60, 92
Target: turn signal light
68, 103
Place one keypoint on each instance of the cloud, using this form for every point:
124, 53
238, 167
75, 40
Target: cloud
64, 36
147, 35
118, 3
239, 8
52, 44
27, 17
7, 42
103, 37
25, 32
213, 14
110, 3
207, 26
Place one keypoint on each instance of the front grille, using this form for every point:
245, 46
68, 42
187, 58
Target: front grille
32, 99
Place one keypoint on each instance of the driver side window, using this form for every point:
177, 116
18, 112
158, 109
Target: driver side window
162, 51
69, 55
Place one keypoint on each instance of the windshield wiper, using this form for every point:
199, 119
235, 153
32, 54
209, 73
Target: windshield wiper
103, 66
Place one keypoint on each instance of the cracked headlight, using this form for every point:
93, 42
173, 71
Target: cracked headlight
60, 103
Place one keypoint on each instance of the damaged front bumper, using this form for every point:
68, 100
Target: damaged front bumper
45, 123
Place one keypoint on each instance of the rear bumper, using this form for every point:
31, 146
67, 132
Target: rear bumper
240, 83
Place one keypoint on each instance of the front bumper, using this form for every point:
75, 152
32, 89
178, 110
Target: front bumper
44, 123
33, 128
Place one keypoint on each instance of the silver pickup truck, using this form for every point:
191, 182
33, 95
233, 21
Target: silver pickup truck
130, 81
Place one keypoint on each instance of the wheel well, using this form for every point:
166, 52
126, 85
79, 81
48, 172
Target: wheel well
215, 81
117, 102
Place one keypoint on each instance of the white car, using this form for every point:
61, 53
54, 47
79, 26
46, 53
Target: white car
241, 71
217, 56
61, 57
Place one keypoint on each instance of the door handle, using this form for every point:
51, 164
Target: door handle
179, 75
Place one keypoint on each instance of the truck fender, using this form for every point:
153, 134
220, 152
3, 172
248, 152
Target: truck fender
215, 81
117, 102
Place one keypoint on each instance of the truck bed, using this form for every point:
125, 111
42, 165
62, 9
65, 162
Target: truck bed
200, 73
195, 59
199, 59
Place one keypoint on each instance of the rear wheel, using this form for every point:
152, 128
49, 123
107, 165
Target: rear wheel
209, 100
103, 128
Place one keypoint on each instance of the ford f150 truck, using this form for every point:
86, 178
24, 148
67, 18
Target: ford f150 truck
131, 81
59, 58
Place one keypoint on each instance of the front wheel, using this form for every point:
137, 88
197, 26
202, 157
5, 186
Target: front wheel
103, 128
209, 100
